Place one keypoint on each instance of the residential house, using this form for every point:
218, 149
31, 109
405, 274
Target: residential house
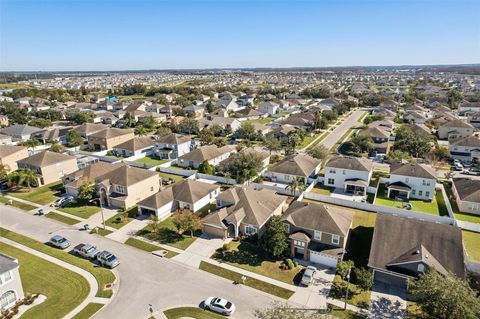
226, 123
268, 108
187, 194
195, 111
136, 146
380, 137
243, 211
466, 192
57, 134
300, 166
49, 166
249, 114
10, 154
88, 129
411, 180
419, 129
108, 138
405, 248
414, 117
20, 132
352, 174
455, 129
250, 151
302, 121
125, 186
172, 146
5, 139
73, 181
208, 153
463, 149
317, 233
11, 289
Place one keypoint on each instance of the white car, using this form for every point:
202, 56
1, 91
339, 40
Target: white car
219, 305
307, 277
62, 201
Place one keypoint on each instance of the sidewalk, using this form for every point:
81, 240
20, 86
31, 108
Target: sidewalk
121, 235
92, 282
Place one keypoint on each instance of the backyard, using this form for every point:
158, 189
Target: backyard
322, 189
64, 289
472, 245
168, 234
167, 176
41, 195
149, 160
458, 215
244, 255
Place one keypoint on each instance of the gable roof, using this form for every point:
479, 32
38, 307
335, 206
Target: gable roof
298, 165
136, 143
191, 191
319, 217
413, 170
111, 132
470, 141
352, 163
46, 158
457, 123
374, 131
206, 153
88, 128
174, 138
396, 238
7, 150
158, 200
468, 189
125, 175
91, 172
20, 129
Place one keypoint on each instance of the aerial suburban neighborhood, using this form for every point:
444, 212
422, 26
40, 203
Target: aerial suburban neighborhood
241, 192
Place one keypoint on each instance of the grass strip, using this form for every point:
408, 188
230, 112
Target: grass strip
88, 312
62, 218
140, 244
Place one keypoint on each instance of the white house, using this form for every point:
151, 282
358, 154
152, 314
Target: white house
411, 180
462, 149
352, 174
455, 129
415, 117
172, 146
268, 107
11, 290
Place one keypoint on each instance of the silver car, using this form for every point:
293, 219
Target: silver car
59, 242
307, 278
219, 305
107, 259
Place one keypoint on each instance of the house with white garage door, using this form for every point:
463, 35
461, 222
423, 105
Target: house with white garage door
317, 233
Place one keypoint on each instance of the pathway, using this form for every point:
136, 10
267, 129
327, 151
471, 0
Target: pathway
92, 282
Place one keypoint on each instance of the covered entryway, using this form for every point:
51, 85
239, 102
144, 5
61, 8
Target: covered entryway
398, 189
356, 186
323, 259
146, 211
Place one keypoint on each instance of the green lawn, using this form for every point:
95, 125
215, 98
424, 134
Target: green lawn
118, 221
180, 168
100, 231
167, 234
176, 178
80, 209
467, 217
150, 161
261, 121
458, 215
322, 189
40, 195
61, 218
356, 296
104, 276
64, 289
16, 204
426, 207
88, 311
307, 140
140, 244
344, 314
190, 312
472, 244
246, 256
251, 282
363, 218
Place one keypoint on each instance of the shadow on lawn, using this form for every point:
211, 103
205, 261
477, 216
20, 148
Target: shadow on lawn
246, 254
165, 235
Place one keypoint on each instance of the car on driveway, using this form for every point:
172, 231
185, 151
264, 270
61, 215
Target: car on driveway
107, 259
219, 305
472, 171
308, 274
62, 201
457, 166
86, 251
59, 242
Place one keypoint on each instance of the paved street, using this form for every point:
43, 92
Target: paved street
142, 278
337, 133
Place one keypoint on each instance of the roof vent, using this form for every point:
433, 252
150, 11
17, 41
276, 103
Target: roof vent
417, 252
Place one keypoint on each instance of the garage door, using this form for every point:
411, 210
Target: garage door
386, 278
323, 259
214, 231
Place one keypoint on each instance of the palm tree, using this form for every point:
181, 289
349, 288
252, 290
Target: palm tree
129, 120
4, 169
296, 184
31, 144
140, 131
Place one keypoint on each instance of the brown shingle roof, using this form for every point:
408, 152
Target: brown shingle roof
298, 165
413, 170
46, 158
468, 189
136, 143
206, 153
6, 150
126, 175
174, 139
353, 163
470, 141
191, 191
111, 132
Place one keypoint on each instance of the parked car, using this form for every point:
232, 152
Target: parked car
107, 259
307, 277
62, 201
472, 171
457, 166
59, 242
86, 251
219, 305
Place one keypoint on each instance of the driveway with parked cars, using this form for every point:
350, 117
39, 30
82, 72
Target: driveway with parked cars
143, 278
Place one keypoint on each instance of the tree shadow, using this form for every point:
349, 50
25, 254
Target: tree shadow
386, 308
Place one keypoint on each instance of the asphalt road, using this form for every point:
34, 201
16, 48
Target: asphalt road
338, 132
142, 278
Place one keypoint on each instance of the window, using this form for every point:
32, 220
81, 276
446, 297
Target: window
406, 179
344, 172
299, 243
332, 171
317, 235
7, 277
420, 193
335, 239
427, 194
331, 181
424, 182
287, 177
249, 230
421, 268
7, 299
413, 192
120, 189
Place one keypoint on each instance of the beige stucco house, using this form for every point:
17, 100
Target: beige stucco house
109, 138
50, 166
455, 129
10, 154
467, 194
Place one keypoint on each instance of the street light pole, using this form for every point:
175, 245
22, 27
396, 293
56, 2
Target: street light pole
348, 284
101, 210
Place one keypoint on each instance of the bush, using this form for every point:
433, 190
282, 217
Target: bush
109, 153
289, 263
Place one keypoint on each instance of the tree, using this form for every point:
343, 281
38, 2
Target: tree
416, 145
296, 184
283, 311
363, 278
244, 166
344, 267
74, 139
80, 117
163, 131
454, 96
188, 126
154, 223
206, 168
129, 120
23, 178
4, 170
361, 143
397, 154
206, 137
31, 144
57, 148
274, 240
272, 144
149, 122
246, 131
295, 138
187, 221
318, 151
39, 122
87, 190
445, 297
140, 130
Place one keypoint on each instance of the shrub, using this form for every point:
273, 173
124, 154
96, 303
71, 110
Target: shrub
289, 263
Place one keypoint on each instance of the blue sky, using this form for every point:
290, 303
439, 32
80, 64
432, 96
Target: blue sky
141, 34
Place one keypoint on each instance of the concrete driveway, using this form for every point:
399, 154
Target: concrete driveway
315, 295
387, 301
142, 278
200, 249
